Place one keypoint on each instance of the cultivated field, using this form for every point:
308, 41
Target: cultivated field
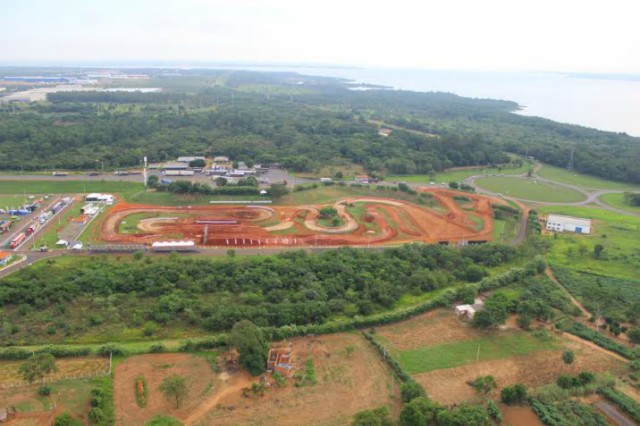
530, 189
70, 395
359, 221
348, 381
443, 353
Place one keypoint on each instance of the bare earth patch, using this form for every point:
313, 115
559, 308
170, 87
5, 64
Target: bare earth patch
346, 384
429, 329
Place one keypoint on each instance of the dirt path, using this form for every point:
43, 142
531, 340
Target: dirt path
614, 414
208, 404
594, 346
552, 277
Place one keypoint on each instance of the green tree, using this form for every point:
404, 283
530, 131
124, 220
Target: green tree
568, 357
278, 190
420, 411
252, 346
634, 335
515, 394
152, 181
198, 163
375, 417
37, 367
66, 419
454, 185
175, 388
484, 384
494, 312
411, 390
220, 181
328, 212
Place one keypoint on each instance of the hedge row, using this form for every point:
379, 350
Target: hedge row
386, 356
623, 401
445, 298
599, 339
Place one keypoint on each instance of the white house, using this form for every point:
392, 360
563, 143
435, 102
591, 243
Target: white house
188, 160
559, 223
469, 311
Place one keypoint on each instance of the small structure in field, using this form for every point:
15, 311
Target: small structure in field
7, 413
279, 361
560, 223
469, 311
384, 132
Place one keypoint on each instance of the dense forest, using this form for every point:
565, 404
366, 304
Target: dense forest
303, 122
285, 289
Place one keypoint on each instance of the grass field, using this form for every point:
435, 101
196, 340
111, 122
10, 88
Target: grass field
464, 352
617, 200
12, 201
68, 187
457, 175
530, 189
619, 234
170, 199
572, 178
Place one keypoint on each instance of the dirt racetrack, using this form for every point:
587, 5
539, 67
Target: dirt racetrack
362, 221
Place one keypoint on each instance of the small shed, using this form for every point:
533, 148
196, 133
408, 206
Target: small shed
469, 311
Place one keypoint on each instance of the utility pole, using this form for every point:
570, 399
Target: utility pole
570, 165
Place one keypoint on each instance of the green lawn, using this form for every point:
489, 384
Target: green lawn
9, 201
530, 189
618, 233
465, 352
68, 187
171, 199
617, 200
457, 175
573, 178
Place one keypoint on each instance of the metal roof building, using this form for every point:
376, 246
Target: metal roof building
560, 223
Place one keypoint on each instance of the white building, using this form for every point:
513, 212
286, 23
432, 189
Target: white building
469, 311
559, 223
188, 160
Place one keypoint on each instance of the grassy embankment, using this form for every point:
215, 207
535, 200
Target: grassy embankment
530, 189
619, 234
558, 174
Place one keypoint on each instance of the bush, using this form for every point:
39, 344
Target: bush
411, 390
494, 412
44, 390
66, 419
516, 394
96, 415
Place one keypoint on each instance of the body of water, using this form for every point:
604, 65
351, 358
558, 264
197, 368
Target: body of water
602, 103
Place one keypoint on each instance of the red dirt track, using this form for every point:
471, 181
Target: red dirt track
386, 221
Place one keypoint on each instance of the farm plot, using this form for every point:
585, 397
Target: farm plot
154, 368
350, 378
443, 353
67, 368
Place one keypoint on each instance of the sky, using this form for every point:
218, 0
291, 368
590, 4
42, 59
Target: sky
596, 36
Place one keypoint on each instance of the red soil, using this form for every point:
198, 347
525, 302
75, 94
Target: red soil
396, 221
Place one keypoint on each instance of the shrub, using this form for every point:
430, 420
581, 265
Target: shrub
44, 390
516, 394
65, 419
411, 390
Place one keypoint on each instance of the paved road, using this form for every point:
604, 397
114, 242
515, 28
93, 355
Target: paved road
591, 195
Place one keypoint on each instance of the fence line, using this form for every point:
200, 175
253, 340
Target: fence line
59, 377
